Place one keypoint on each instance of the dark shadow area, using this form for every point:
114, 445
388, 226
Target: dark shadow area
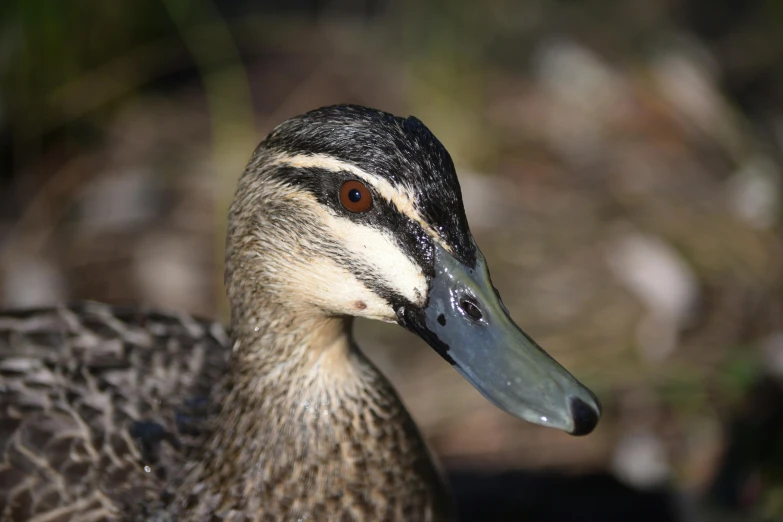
753, 458
551, 497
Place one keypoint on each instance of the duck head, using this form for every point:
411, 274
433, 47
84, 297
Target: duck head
351, 211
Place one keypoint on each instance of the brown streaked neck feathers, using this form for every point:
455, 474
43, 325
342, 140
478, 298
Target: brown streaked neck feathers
318, 435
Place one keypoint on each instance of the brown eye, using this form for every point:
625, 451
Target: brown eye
355, 196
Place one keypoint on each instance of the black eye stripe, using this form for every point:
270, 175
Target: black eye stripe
324, 185
400, 150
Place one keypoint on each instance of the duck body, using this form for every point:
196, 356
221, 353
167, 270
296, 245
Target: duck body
341, 212
99, 408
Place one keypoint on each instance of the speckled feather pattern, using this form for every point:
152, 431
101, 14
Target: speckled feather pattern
344, 454
89, 396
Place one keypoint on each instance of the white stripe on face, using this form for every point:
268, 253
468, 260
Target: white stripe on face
322, 282
400, 196
338, 288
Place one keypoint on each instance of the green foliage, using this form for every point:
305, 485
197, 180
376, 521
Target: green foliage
51, 44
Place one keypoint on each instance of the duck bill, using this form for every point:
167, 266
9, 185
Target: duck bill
465, 321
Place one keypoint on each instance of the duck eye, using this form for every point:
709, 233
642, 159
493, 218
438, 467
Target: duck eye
355, 196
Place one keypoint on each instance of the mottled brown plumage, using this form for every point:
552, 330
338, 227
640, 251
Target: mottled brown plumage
74, 381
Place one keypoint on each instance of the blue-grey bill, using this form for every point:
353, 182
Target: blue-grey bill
467, 323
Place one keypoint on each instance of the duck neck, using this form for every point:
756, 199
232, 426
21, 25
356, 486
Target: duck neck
274, 344
285, 368
309, 428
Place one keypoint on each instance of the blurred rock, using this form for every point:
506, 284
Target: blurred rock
586, 95
29, 281
486, 199
119, 200
772, 354
640, 460
166, 267
657, 275
687, 77
754, 192
577, 76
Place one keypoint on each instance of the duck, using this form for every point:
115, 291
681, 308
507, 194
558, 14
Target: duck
112, 413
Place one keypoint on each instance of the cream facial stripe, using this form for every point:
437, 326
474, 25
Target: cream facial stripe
398, 195
376, 249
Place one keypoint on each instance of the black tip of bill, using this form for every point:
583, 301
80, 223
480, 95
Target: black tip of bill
585, 417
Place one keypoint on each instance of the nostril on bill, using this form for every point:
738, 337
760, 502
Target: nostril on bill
585, 417
471, 308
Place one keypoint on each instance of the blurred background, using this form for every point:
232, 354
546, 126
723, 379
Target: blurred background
620, 163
